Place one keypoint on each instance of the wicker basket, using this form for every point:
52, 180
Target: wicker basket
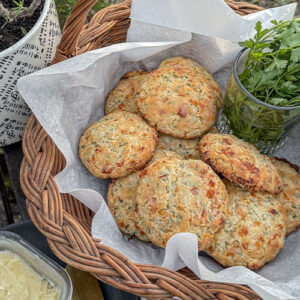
65, 221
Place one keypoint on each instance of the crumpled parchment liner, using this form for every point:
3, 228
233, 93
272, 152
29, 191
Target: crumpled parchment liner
67, 97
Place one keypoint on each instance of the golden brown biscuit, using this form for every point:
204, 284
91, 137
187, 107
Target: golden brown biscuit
187, 148
178, 101
122, 97
181, 196
159, 155
214, 86
121, 199
117, 145
163, 154
290, 179
178, 60
240, 162
213, 130
254, 230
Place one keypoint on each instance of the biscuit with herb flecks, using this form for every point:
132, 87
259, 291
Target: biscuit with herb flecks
254, 230
121, 199
214, 86
187, 148
240, 162
178, 100
117, 145
123, 96
290, 179
163, 154
181, 196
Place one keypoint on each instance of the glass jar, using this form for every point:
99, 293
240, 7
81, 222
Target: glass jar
264, 125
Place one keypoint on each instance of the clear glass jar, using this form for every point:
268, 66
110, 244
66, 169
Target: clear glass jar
264, 125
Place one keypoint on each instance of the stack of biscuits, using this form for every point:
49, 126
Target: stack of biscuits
173, 172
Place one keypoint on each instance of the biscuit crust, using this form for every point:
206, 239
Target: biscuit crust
117, 145
240, 163
181, 196
213, 85
254, 231
163, 154
159, 155
179, 100
121, 200
290, 179
123, 96
122, 203
187, 148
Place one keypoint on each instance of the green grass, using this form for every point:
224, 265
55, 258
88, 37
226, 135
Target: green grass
64, 8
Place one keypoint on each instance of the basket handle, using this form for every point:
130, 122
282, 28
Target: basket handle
72, 30
76, 21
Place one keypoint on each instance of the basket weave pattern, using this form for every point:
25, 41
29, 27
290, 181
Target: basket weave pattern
65, 221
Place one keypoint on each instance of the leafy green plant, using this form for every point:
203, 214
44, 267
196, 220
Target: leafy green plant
18, 12
263, 126
272, 75
19, 8
272, 67
23, 30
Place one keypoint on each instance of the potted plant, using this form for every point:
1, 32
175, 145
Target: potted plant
29, 33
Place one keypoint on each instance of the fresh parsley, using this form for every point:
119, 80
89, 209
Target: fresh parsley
272, 75
272, 67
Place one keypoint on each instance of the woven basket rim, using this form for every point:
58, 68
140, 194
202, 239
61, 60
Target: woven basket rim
65, 221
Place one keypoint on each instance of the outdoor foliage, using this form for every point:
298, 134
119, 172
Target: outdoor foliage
64, 8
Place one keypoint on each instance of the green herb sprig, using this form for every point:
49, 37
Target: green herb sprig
272, 67
19, 8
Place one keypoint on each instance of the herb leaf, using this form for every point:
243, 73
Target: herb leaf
272, 67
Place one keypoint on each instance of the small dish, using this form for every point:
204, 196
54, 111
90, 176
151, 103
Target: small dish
40, 263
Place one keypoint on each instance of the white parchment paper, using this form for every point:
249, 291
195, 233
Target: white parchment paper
67, 97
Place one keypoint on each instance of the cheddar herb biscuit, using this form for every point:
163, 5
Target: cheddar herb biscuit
254, 230
122, 202
159, 155
187, 148
178, 100
290, 179
240, 162
121, 199
163, 154
213, 130
117, 145
181, 196
122, 97
213, 85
